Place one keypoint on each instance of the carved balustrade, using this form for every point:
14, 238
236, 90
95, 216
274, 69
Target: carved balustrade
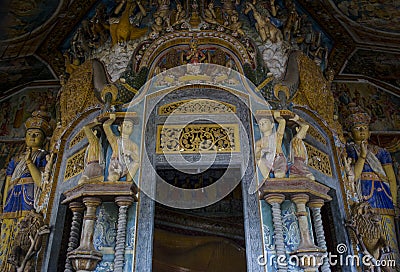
302, 192
82, 255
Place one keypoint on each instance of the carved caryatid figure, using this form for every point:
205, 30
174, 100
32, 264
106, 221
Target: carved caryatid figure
23, 181
298, 151
125, 153
265, 163
93, 170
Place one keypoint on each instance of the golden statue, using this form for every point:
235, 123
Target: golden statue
121, 29
264, 27
23, 181
125, 153
235, 25
373, 173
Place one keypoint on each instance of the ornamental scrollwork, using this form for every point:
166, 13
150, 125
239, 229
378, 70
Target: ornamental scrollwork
75, 164
198, 138
198, 106
318, 160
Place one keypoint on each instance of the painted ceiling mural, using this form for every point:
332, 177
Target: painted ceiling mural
15, 72
376, 64
19, 17
381, 106
17, 109
380, 15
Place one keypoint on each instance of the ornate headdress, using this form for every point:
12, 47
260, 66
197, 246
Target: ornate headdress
41, 120
356, 117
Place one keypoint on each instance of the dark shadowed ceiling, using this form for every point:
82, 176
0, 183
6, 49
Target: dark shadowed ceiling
366, 39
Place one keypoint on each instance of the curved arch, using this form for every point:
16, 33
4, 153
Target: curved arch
225, 41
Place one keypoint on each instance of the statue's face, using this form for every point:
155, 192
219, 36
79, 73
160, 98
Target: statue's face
360, 132
127, 127
34, 137
265, 125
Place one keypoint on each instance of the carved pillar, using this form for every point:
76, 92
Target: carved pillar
85, 257
301, 200
315, 206
306, 247
123, 202
73, 241
275, 201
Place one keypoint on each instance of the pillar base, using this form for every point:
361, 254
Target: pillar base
309, 259
84, 260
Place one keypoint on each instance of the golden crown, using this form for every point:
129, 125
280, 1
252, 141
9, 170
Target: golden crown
41, 120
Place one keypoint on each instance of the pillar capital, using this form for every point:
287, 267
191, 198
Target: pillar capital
274, 198
124, 200
316, 203
300, 198
91, 201
76, 206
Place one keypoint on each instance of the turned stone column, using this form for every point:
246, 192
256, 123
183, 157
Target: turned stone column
85, 257
73, 241
123, 202
315, 206
305, 239
275, 201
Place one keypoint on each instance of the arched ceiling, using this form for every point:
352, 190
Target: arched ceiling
366, 39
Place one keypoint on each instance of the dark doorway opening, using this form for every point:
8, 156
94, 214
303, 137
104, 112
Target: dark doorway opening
204, 239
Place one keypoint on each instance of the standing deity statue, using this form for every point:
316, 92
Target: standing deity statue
23, 181
373, 172
298, 151
124, 160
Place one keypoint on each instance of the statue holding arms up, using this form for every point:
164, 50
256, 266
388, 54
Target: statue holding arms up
125, 153
264, 145
93, 158
298, 151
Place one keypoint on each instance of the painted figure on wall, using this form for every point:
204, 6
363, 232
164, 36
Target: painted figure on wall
23, 181
124, 160
373, 171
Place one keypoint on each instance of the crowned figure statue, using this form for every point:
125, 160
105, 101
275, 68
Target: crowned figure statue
23, 182
373, 173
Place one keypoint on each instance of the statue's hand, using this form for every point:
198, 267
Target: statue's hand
28, 155
363, 147
295, 118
